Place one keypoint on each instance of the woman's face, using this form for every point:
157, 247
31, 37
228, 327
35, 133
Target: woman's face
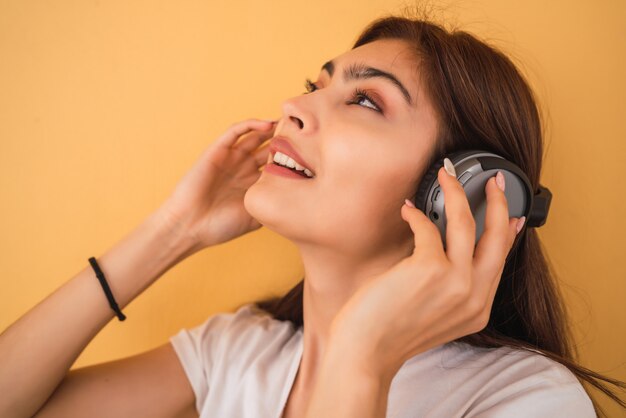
366, 161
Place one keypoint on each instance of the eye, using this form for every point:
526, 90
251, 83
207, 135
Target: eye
310, 87
357, 96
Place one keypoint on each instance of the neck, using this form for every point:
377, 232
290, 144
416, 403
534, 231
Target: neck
331, 278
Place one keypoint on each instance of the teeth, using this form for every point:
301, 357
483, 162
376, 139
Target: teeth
287, 161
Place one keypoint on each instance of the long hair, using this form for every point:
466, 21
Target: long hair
483, 102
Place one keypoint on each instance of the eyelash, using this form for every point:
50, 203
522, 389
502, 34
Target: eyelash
356, 96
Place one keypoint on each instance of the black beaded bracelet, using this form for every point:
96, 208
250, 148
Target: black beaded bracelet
107, 290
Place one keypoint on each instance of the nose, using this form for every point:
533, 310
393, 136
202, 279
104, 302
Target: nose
298, 111
298, 121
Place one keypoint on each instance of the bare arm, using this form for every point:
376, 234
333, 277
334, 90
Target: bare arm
151, 384
37, 350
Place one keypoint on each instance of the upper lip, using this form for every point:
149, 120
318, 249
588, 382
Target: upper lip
282, 144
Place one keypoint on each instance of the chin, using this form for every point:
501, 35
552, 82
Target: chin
271, 208
262, 207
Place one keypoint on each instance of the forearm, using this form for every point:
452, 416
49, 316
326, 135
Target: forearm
348, 388
37, 350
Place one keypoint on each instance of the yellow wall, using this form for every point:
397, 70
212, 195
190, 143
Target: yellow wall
104, 105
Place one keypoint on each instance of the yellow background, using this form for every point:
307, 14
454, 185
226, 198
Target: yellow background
104, 105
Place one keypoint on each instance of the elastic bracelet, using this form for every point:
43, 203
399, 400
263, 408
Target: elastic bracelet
107, 290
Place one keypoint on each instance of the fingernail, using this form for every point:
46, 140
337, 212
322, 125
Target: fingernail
409, 203
449, 167
271, 120
500, 180
520, 223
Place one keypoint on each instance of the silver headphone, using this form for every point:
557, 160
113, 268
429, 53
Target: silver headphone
474, 168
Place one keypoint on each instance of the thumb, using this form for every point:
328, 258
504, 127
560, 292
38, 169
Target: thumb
426, 234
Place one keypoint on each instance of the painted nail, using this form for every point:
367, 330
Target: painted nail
500, 180
449, 167
520, 223
409, 203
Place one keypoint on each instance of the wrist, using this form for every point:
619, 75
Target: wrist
172, 232
347, 387
359, 359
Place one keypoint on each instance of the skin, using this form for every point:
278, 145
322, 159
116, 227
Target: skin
379, 288
346, 222
427, 299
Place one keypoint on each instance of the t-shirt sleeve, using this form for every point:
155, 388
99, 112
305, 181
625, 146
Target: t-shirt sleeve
198, 347
555, 392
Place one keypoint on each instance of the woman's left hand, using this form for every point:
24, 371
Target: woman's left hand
433, 296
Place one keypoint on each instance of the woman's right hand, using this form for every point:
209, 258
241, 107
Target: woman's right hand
208, 201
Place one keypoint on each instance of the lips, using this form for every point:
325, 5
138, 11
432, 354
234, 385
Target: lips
282, 144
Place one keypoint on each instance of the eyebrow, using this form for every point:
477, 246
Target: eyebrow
361, 71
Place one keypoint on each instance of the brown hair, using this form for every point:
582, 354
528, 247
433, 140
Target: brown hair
483, 102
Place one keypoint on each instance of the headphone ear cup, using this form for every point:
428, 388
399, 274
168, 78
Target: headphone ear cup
425, 185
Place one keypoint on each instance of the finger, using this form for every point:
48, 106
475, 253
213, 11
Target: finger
426, 235
237, 129
497, 238
460, 224
250, 141
495, 283
260, 154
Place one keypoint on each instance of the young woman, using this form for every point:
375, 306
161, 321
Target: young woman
386, 322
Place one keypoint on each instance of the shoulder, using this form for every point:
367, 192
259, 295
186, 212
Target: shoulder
249, 326
239, 328
493, 382
235, 334
517, 382
218, 353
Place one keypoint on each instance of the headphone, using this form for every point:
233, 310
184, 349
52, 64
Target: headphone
474, 168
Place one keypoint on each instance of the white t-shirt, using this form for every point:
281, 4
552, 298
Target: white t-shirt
243, 364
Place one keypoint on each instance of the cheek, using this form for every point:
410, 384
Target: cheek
352, 155
371, 193
369, 171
